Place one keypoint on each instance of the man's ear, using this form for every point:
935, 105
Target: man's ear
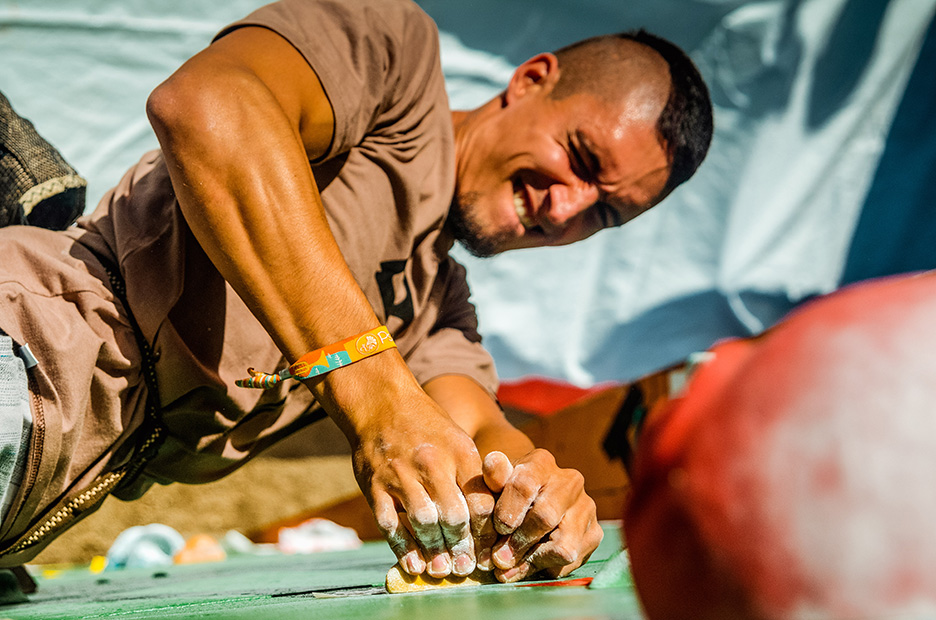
536, 74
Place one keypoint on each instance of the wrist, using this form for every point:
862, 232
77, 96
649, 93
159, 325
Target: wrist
366, 396
326, 359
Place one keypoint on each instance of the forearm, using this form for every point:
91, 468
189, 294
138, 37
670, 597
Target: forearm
504, 438
470, 406
241, 175
246, 190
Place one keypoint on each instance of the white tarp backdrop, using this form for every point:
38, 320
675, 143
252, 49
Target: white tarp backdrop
821, 171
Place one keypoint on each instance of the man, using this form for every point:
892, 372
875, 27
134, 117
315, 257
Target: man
303, 196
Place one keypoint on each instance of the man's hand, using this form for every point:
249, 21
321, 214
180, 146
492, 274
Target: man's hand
422, 475
547, 522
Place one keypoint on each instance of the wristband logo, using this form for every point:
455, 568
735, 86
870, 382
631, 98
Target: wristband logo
367, 343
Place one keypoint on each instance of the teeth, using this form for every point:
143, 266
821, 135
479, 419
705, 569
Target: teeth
520, 208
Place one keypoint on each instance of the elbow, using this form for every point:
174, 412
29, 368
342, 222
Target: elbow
161, 106
181, 107
194, 106
166, 110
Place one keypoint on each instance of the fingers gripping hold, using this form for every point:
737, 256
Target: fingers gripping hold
547, 519
563, 551
424, 520
519, 494
456, 529
440, 517
424, 464
399, 538
561, 554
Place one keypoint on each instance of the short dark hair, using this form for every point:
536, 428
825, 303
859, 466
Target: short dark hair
685, 124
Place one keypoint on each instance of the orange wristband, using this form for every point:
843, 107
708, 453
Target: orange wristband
325, 360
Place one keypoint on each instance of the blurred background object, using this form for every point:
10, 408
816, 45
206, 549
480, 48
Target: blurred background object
793, 477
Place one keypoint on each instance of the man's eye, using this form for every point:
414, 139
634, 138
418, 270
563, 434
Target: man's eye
578, 164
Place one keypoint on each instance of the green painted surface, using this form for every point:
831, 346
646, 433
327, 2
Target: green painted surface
615, 573
333, 586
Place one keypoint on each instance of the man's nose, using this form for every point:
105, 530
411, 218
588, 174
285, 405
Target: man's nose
567, 201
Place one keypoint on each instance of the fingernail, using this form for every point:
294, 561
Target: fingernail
464, 564
484, 560
413, 563
510, 575
504, 556
440, 565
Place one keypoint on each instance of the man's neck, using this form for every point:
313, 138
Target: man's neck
464, 123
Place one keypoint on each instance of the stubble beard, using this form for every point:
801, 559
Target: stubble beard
468, 231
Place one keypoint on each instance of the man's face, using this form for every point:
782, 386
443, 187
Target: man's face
544, 171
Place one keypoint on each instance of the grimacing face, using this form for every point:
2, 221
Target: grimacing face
541, 171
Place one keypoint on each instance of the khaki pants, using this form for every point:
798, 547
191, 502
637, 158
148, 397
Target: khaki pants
86, 394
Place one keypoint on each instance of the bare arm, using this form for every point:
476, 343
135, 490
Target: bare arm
238, 124
546, 521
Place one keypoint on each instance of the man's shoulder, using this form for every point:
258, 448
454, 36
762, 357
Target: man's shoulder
377, 13
346, 24
398, 16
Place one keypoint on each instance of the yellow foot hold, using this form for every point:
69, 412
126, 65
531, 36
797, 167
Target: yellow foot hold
399, 580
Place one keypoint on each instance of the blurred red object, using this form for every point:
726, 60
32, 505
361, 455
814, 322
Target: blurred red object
796, 475
541, 396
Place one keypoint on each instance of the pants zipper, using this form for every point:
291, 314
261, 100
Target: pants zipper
97, 491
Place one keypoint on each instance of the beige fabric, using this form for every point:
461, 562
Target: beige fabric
386, 182
87, 391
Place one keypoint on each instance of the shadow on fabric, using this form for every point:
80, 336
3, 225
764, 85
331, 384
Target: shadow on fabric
896, 231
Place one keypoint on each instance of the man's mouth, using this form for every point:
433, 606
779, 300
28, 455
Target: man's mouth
521, 207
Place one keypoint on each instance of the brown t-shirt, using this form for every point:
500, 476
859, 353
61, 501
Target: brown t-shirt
386, 182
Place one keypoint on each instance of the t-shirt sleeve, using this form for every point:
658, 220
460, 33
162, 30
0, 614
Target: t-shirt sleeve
356, 49
453, 347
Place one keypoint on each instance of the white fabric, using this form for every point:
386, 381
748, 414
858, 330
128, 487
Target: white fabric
805, 93
15, 423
